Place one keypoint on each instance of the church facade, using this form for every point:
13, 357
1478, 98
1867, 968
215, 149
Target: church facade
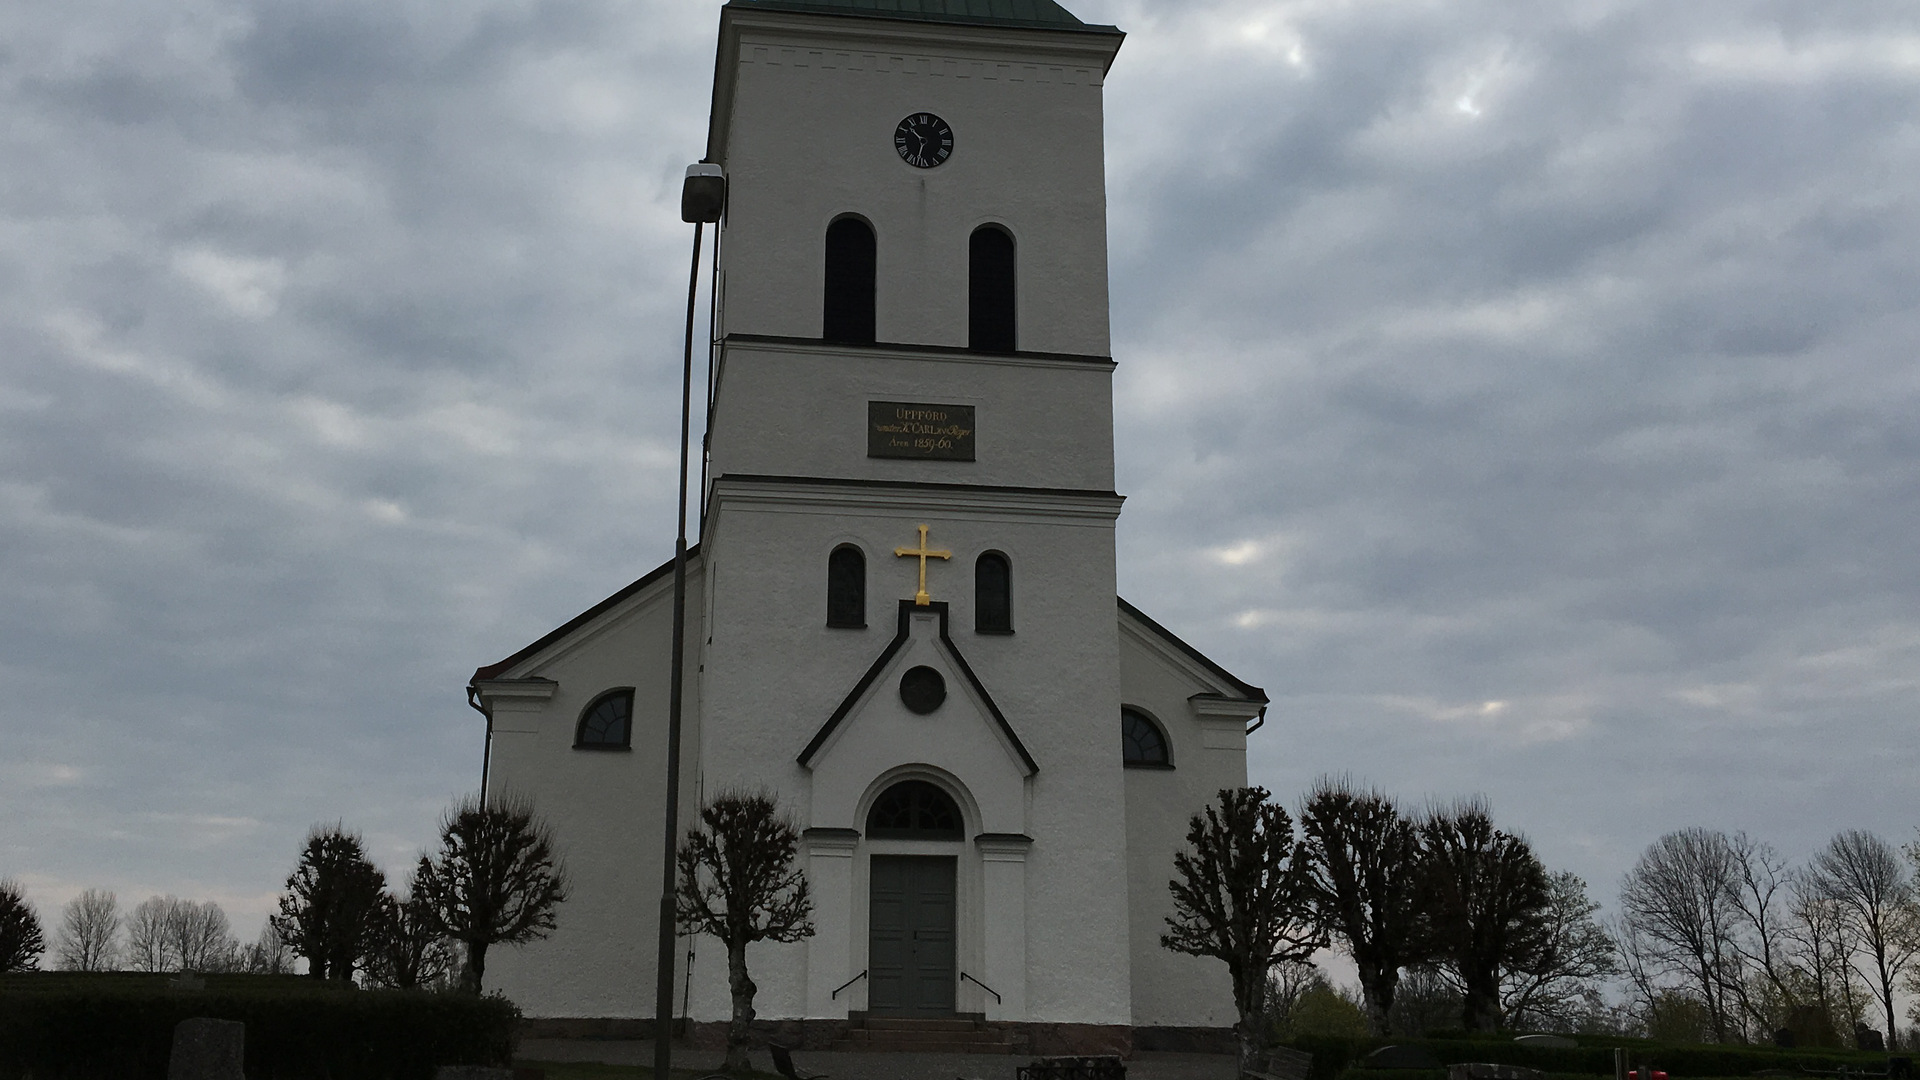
902, 619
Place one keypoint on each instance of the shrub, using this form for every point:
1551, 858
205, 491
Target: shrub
81, 1026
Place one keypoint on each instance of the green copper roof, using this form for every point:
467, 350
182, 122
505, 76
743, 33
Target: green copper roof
1040, 14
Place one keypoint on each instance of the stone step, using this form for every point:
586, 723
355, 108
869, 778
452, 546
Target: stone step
908, 1038
889, 1044
919, 1023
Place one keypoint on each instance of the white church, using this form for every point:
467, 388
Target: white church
902, 618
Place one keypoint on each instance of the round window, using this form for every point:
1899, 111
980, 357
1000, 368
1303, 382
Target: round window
922, 689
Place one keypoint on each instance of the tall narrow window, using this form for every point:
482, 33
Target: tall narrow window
993, 594
847, 587
848, 317
990, 290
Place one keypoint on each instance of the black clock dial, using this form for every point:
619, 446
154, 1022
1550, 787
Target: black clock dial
923, 140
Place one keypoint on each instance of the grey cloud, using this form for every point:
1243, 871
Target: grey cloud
1561, 451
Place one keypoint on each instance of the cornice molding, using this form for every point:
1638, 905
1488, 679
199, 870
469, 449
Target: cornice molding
899, 350
840, 493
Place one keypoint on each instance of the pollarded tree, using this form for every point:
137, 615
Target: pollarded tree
89, 932
1241, 896
21, 942
333, 895
408, 950
496, 880
1489, 902
1362, 869
739, 882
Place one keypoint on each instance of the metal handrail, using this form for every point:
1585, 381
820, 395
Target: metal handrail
849, 982
981, 985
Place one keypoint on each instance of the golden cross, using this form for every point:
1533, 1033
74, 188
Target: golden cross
921, 599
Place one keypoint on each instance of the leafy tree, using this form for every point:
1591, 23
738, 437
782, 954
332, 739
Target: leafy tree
1561, 985
1327, 1011
1822, 947
1425, 1001
21, 942
1679, 911
147, 935
1241, 896
1862, 875
89, 929
739, 882
1765, 988
198, 937
408, 950
1362, 871
496, 880
166, 933
1489, 902
333, 895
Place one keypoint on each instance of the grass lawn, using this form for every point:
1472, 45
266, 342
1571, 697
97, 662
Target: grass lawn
583, 1070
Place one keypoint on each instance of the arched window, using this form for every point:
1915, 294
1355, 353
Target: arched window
847, 587
990, 290
848, 316
993, 594
1142, 744
607, 723
914, 810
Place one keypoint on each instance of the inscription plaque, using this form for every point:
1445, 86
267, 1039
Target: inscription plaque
904, 429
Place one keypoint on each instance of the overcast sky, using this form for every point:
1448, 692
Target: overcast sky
1524, 393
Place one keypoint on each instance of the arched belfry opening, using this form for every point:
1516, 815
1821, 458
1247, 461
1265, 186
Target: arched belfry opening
990, 291
847, 316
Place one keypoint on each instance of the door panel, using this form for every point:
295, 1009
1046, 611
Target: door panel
910, 958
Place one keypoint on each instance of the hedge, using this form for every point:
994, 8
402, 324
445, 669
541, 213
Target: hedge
66, 1026
1333, 1056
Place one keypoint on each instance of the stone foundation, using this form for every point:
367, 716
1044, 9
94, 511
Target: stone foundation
1186, 1040
1028, 1038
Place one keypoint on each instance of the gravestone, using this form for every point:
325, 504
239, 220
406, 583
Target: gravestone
1401, 1057
208, 1049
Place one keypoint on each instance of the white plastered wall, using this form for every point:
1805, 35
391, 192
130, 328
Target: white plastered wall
1207, 743
775, 673
801, 410
605, 806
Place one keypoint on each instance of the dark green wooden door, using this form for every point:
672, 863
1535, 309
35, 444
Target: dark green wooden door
910, 969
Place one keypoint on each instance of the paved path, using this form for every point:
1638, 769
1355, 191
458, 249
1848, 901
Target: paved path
871, 1066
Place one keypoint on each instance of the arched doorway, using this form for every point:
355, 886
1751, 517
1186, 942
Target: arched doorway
911, 966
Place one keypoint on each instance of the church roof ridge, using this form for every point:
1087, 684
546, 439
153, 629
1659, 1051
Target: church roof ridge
1030, 14
492, 671
1247, 689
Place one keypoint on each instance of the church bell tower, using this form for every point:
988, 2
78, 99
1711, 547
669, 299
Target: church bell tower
908, 551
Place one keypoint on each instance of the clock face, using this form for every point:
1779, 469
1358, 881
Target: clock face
923, 140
